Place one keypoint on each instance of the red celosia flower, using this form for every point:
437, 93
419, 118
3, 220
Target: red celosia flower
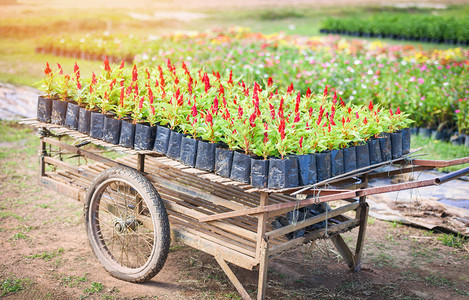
76, 69
266, 135
270, 81
215, 105
308, 93
356, 115
180, 100
310, 111
122, 64
390, 112
93, 79
194, 110
398, 110
162, 82
230, 80
60, 69
107, 68
365, 121
370, 105
252, 120
301, 142
148, 73
334, 99
297, 105
140, 104
272, 110
281, 129
342, 102
349, 110
209, 119
297, 118
221, 90
343, 121
134, 74
121, 98
240, 112
290, 88
113, 82
325, 91
47, 70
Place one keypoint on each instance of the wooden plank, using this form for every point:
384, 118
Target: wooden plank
361, 236
307, 222
334, 229
232, 277
60, 187
344, 250
213, 249
263, 270
275, 207
262, 222
66, 166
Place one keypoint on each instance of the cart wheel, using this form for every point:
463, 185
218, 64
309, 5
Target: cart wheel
127, 224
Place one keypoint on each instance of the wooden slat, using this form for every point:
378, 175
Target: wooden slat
334, 229
232, 277
310, 221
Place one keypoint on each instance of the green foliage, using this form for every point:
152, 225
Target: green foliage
13, 285
452, 240
47, 255
95, 287
414, 26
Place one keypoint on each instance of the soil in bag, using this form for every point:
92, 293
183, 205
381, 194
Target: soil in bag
350, 159
223, 162
405, 140
323, 165
127, 136
375, 151
144, 136
188, 151
59, 112
162, 139
205, 156
283, 173
174, 146
396, 144
307, 169
72, 117
337, 162
259, 172
84, 121
97, 125
44, 109
112, 129
241, 167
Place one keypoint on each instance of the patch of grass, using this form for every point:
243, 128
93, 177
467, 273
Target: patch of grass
95, 287
18, 236
440, 151
74, 281
175, 248
12, 285
371, 220
437, 281
47, 255
7, 214
452, 240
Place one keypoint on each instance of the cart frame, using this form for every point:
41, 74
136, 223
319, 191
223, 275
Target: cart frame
227, 219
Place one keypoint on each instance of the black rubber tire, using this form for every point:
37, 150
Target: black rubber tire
161, 231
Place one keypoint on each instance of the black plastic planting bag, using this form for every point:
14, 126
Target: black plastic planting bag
385, 146
337, 162
323, 165
127, 136
84, 121
259, 172
241, 167
405, 140
205, 156
375, 151
59, 112
73, 112
174, 146
162, 139
188, 151
283, 173
396, 144
350, 159
44, 109
97, 125
144, 136
307, 169
363, 156
223, 162
112, 130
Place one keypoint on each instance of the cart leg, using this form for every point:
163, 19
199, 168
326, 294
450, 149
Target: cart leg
263, 268
361, 236
344, 250
262, 253
42, 163
232, 277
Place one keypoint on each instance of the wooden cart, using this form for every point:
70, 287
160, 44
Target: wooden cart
129, 201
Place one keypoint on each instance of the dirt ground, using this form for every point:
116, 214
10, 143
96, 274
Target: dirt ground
44, 254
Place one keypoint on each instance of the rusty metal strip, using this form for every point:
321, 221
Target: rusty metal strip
441, 163
274, 207
399, 171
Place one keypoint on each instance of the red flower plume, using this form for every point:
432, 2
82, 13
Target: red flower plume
270, 81
47, 69
370, 105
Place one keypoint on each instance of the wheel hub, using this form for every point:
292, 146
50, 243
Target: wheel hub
121, 225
